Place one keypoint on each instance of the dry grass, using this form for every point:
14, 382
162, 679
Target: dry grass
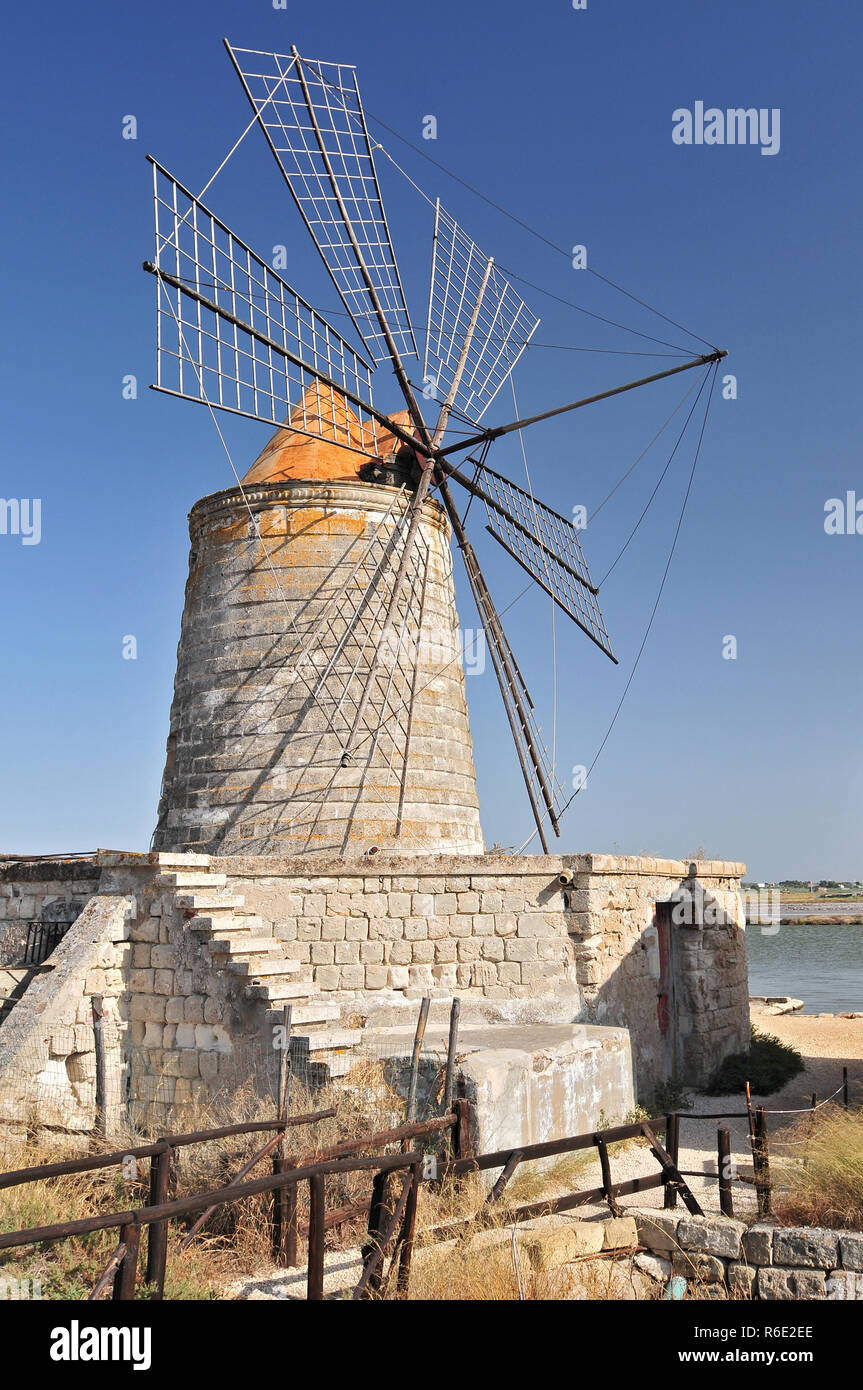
828, 1189
236, 1239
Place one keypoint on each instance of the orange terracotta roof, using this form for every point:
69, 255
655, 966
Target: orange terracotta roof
328, 454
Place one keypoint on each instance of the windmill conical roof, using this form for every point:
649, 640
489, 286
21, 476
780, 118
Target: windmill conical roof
331, 452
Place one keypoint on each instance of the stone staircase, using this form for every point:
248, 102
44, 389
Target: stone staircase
238, 945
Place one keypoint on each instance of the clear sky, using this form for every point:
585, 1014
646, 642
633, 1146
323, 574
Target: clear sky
564, 117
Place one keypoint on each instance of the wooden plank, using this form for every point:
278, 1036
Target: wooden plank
605, 1167
157, 1232
451, 1050
673, 1171
408, 1232
315, 1277
672, 1140
127, 1270
411, 1110
508, 1169
107, 1274
724, 1169
186, 1205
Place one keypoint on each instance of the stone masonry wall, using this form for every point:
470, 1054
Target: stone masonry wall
39, 891
374, 936
728, 1259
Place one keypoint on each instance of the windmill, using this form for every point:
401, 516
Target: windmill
234, 335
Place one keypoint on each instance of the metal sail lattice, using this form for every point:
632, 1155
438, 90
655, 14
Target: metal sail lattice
232, 334
546, 545
345, 631
313, 118
478, 326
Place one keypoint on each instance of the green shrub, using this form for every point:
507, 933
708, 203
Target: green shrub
767, 1066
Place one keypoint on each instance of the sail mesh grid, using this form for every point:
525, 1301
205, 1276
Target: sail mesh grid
204, 356
504, 324
313, 117
546, 545
338, 661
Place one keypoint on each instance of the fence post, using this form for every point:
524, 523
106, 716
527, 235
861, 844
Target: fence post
315, 1280
845, 1087
380, 1210
462, 1139
285, 1073
763, 1174
407, 1233
97, 1005
452, 1046
672, 1147
285, 1218
157, 1235
723, 1161
411, 1108
127, 1270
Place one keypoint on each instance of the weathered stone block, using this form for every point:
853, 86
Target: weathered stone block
758, 1244
658, 1231
851, 1251
806, 1246
775, 1284
692, 1264
741, 1280
711, 1235
324, 952
377, 977
619, 1233
193, 1009
335, 928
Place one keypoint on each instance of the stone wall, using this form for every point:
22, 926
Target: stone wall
533, 939
504, 931
274, 652
52, 890
728, 1258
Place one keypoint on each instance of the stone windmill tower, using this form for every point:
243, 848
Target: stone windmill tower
289, 584
319, 704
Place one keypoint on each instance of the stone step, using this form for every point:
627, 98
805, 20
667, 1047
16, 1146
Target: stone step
222, 927
333, 1039
207, 902
303, 1015
263, 968
239, 944
277, 989
166, 860
191, 879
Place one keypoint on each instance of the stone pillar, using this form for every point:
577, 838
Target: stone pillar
259, 720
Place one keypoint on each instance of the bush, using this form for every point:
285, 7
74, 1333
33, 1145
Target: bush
767, 1066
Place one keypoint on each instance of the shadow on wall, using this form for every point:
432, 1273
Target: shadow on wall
681, 988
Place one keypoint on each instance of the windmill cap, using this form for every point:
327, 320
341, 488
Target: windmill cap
323, 440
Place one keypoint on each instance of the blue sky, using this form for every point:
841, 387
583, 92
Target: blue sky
565, 118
